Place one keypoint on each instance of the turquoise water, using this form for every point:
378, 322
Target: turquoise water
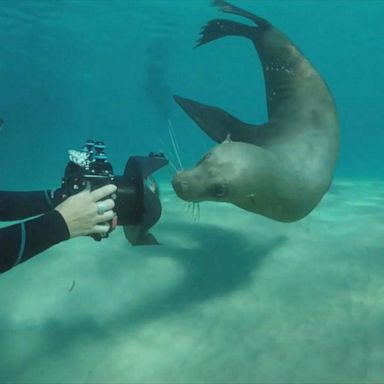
228, 298
71, 70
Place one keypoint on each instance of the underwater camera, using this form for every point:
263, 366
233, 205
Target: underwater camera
137, 202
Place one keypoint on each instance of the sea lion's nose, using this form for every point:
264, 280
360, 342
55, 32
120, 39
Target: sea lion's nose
180, 186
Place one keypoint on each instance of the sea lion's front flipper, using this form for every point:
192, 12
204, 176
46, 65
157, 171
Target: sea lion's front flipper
218, 124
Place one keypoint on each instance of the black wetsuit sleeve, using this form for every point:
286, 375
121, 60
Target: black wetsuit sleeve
20, 242
19, 205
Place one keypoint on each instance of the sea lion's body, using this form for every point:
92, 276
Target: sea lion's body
280, 169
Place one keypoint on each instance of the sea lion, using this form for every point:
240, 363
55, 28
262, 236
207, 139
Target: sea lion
280, 169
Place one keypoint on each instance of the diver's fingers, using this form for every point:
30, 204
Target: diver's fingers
107, 216
87, 187
101, 228
105, 205
102, 192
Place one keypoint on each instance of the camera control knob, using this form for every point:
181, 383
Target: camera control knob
99, 147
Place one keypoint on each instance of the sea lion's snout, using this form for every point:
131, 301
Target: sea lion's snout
180, 186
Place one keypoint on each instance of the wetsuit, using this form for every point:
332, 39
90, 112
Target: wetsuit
21, 241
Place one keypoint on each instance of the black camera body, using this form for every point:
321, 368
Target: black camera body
137, 202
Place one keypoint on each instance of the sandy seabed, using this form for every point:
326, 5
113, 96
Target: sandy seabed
230, 297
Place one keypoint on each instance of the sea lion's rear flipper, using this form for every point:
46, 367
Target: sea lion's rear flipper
218, 124
219, 28
226, 7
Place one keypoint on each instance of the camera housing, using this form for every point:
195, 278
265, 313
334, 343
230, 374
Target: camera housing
137, 202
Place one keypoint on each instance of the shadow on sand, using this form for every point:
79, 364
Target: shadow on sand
222, 262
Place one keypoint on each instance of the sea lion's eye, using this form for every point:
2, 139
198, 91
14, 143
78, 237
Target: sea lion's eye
219, 190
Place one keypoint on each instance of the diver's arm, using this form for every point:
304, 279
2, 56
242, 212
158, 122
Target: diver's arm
20, 242
19, 205
76, 216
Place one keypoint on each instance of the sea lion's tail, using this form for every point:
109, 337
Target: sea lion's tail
219, 28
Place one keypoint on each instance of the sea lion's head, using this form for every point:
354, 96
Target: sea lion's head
223, 174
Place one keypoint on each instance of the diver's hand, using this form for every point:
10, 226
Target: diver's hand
80, 211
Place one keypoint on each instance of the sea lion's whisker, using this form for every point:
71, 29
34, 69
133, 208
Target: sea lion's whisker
194, 208
174, 142
172, 165
165, 149
188, 205
196, 212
